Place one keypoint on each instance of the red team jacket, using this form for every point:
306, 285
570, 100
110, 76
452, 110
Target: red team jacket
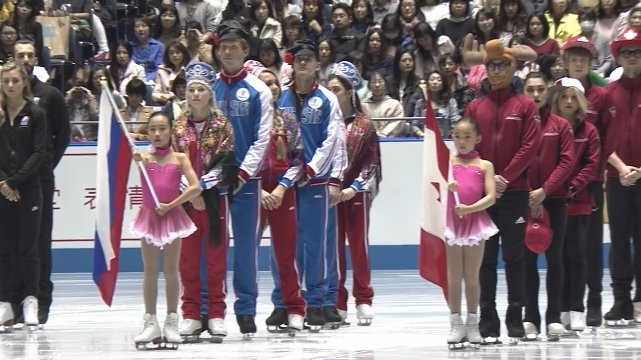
587, 150
509, 124
626, 96
601, 115
555, 159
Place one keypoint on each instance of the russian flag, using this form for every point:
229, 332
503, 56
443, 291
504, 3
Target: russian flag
113, 163
432, 262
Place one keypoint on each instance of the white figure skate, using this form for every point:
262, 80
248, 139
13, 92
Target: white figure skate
531, 333
472, 331
190, 330
150, 337
171, 336
30, 312
6, 317
456, 338
555, 331
364, 314
295, 323
217, 330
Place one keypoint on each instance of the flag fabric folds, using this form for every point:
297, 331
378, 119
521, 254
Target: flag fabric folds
432, 262
112, 172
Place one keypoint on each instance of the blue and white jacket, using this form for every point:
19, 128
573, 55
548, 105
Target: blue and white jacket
323, 133
246, 102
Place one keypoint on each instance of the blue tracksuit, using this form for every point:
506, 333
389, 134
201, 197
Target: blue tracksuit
322, 131
246, 101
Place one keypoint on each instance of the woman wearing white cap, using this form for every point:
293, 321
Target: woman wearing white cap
569, 102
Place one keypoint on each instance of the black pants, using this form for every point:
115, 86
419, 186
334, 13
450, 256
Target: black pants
509, 214
624, 213
44, 245
575, 264
594, 245
556, 209
19, 231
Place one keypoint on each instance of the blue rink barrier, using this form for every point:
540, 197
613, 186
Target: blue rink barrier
382, 257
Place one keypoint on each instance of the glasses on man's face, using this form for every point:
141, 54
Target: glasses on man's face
629, 53
496, 66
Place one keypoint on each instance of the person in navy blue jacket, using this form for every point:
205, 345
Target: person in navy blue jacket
247, 103
318, 185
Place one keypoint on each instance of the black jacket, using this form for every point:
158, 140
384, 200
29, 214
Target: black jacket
52, 102
23, 146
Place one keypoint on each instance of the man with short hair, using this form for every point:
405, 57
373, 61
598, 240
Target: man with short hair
247, 103
52, 102
344, 38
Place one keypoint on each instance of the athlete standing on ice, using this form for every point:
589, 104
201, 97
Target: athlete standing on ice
247, 103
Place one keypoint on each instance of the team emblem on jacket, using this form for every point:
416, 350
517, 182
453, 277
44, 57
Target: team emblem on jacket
242, 94
315, 102
36, 100
24, 121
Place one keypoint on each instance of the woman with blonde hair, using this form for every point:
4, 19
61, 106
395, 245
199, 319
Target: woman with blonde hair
569, 102
23, 146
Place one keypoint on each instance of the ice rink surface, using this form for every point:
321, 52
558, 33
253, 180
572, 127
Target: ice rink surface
411, 323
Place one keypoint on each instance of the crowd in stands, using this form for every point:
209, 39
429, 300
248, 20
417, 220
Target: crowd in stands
402, 47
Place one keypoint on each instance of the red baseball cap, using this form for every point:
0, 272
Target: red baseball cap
630, 37
538, 234
580, 42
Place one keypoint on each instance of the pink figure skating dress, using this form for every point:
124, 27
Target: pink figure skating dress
474, 227
147, 224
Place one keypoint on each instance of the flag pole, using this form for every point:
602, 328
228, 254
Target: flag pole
123, 127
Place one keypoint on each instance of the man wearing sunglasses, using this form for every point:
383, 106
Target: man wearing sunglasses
509, 125
622, 189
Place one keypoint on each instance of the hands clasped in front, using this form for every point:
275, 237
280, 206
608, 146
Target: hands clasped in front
8, 192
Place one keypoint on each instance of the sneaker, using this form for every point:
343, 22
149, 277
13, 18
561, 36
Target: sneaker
101, 56
217, 327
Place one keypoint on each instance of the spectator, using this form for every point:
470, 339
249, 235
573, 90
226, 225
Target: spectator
269, 56
451, 70
426, 53
6, 9
82, 106
458, 24
265, 26
377, 58
292, 31
403, 82
552, 66
602, 61
563, 24
344, 38
356, 57
363, 16
198, 50
443, 104
314, 24
391, 26
513, 19
123, 69
136, 113
433, 11
409, 16
382, 8
537, 36
168, 29
176, 105
146, 51
175, 59
607, 15
85, 24
200, 11
486, 25
235, 9
8, 38
381, 105
285, 8
326, 59
24, 21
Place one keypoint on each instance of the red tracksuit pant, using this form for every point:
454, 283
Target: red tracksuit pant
282, 225
216, 262
353, 224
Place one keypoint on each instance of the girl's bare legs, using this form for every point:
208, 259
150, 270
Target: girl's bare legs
472, 258
171, 254
150, 277
455, 272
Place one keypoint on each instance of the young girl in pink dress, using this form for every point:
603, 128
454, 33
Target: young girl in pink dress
467, 226
162, 227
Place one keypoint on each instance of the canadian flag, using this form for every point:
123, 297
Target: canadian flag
432, 262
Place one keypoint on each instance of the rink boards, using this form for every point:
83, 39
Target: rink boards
394, 223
